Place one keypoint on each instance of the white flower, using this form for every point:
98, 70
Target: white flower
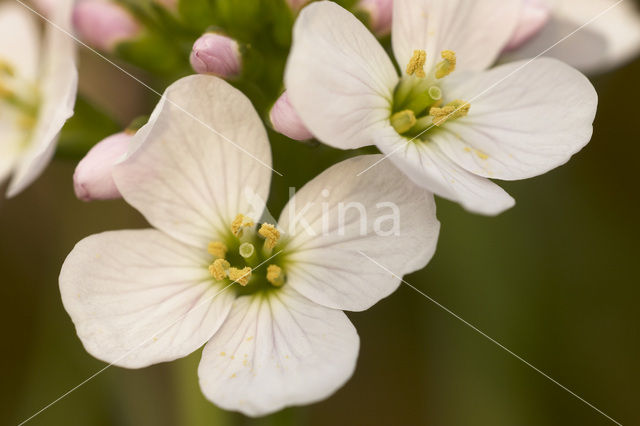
277, 336
610, 38
38, 81
446, 123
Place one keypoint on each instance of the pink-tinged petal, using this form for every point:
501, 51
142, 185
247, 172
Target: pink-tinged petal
594, 36
427, 166
477, 30
277, 350
93, 178
347, 211
103, 23
216, 54
533, 17
380, 15
140, 297
338, 77
533, 118
202, 159
285, 120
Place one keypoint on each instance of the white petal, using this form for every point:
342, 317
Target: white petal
199, 161
338, 77
597, 42
430, 168
58, 87
476, 30
532, 118
277, 350
139, 297
339, 215
19, 39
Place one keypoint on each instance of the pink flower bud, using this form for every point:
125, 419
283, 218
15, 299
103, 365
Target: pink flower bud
380, 14
216, 54
92, 179
103, 24
296, 5
45, 7
533, 17
285, 120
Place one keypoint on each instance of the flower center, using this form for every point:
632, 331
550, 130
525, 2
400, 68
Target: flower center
248, 257
418, 99
19, 101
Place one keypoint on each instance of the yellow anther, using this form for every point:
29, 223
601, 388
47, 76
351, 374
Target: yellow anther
270, 234
240, 276
403, 121
275, 275
239, 223
218, 269
416, 63
217, 249
451, 111
446, 67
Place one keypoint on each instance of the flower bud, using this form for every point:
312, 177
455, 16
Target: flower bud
93, 178
45, 7
103, 24
285, 120
216, 54
533, 17
380, 14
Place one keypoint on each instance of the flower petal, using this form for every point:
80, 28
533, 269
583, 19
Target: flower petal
139, 297
476, 30
338, 77
430, 168
339, 215
533, 118
596, 35
277, 350
58, 87
19, 39
202, 159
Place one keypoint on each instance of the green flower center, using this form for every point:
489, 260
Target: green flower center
418, 98
249, 261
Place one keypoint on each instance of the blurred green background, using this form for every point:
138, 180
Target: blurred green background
555, 280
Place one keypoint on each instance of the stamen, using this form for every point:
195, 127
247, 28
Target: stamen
241, 276
416, 63
218, 269
403, 121
271, 235
217, 249
275, 275
447, 66
239, 223
451, 111
246, 250
6, 69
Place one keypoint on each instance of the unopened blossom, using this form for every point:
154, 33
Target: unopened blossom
38, 82
380, 13
93, 177
603, 34
216, 54
447, 121
266, 299
104, 23
285, 120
